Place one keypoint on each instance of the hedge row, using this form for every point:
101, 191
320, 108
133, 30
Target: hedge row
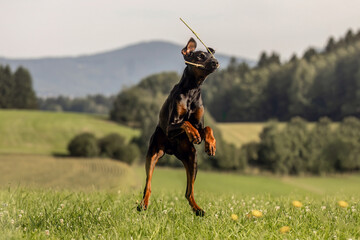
112, 146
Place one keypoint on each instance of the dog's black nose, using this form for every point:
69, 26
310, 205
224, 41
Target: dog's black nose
214, 63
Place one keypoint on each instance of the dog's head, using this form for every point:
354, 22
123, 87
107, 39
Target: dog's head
203, 61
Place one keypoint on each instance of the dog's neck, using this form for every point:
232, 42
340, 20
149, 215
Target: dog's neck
191, 80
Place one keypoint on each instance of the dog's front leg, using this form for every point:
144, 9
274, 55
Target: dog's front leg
210, 141
192, 133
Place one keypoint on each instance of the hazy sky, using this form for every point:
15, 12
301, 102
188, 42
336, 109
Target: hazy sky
36, 28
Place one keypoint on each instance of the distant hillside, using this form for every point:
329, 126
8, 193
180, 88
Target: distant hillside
49, 132
104, 73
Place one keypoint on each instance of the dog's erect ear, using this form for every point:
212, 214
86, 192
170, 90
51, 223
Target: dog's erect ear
211, 50
190, 47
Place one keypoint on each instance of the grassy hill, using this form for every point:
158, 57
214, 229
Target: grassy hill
49, 132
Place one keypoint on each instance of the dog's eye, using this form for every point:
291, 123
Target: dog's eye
201, 56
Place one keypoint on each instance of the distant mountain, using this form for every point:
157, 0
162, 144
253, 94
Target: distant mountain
104, 73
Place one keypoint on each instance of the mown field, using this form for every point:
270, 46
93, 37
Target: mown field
242, 133
49, 132
64, 198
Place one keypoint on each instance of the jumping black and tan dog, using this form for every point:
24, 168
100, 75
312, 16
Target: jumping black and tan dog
181, 123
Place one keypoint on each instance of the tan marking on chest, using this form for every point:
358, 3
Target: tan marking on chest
181, 109
199, 112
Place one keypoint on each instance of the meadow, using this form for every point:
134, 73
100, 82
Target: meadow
96, 199
48, 197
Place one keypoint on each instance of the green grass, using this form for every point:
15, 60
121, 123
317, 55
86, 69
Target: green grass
45, 197
48, 214
49, 132
97, 198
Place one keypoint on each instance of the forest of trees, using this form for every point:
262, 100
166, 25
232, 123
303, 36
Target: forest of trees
320, 83
16, 89
98, 104
299, 148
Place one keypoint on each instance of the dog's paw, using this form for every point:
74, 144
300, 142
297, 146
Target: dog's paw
141, 207
210, 147
194, 136
200, 212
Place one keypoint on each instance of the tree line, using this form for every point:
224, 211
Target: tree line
98, 104
299, 148
16, 90
320, 83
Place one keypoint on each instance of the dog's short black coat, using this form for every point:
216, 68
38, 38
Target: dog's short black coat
181, 122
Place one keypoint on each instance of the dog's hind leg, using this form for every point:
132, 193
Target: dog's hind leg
187, 154
155, 152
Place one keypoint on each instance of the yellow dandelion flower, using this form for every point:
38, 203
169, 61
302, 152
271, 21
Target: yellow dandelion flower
256, 213
234, 217
284, 229
343, 204
297, 204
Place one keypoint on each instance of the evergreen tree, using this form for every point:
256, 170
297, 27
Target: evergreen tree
6, 87
330, 46
263, 60
311, 52
274, 58
23, 95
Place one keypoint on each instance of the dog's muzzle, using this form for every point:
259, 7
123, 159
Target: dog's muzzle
212, 64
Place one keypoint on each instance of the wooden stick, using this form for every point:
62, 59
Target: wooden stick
197, 36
